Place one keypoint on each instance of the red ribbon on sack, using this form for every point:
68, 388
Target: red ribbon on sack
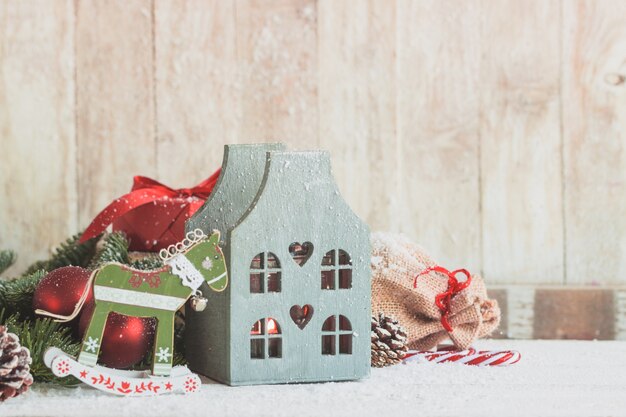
444, 299
145, 191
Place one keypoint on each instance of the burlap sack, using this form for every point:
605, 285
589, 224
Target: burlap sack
395, 263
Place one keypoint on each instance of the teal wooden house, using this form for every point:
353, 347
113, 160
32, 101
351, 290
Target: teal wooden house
298, 258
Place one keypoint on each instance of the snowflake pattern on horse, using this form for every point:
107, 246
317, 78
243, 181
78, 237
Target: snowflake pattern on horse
158, 293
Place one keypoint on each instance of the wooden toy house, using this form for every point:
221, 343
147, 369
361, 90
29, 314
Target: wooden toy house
298, 307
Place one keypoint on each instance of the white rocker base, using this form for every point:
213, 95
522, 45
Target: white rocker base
115, 381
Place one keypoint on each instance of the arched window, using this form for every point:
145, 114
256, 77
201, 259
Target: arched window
337, 336
336, 270
265, 339
265, 273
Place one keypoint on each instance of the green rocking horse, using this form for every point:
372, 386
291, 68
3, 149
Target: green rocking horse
157, 293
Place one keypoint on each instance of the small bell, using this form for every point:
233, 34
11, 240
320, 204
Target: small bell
198, 302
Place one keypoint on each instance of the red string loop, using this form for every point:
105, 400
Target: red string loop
443, 300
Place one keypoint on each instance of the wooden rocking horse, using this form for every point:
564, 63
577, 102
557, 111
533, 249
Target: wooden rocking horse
157, 293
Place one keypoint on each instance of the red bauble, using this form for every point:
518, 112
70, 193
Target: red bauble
60, 290
126, 339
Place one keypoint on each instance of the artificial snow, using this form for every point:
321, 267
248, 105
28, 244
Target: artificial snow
554, 378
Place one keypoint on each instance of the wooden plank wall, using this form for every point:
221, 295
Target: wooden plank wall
493, 133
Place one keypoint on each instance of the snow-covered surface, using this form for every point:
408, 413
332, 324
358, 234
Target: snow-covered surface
554, 378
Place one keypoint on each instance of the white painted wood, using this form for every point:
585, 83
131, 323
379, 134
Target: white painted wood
433, 111
620, 314
114, 100
594, 132
121, 382
37, 136
357, 105
277, 56
520, 312
438, 57
522, 213
197, 88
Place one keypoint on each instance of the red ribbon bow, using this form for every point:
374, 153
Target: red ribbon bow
444, 299
145, 191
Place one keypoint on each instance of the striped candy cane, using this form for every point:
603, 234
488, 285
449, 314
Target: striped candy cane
468, 357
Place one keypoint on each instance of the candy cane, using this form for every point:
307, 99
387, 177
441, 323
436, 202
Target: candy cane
467, 357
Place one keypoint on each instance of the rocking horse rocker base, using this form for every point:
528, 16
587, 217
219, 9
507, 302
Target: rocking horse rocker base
125, 383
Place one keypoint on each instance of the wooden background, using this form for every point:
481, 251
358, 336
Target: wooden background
492, 132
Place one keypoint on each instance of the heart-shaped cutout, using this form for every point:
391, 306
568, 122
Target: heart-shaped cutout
301, 315
301, 252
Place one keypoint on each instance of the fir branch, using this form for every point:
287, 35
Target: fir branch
147, 263
71, 252
114, 248
7, 258
16, 295
39, 335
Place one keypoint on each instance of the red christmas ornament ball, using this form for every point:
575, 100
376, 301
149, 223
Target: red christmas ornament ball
126, 340
60, 290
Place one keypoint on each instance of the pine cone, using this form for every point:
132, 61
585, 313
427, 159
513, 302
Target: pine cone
388, 341
15, 377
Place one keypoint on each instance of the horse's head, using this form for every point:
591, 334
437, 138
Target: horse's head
207, 257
